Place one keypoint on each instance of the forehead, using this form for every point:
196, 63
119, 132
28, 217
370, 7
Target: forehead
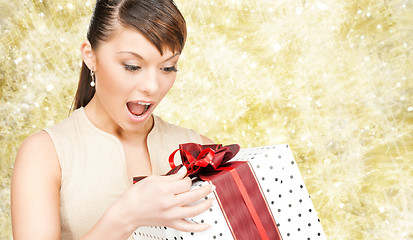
130, 39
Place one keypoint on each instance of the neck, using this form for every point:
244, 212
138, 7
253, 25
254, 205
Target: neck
102, 120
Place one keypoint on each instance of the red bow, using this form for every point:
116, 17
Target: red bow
202, 158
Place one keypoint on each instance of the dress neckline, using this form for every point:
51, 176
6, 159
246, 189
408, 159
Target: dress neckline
82, 114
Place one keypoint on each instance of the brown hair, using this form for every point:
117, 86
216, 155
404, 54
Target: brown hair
159, 21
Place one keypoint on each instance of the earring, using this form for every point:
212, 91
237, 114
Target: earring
92, 75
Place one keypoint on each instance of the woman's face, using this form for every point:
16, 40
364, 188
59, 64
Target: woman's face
131, 79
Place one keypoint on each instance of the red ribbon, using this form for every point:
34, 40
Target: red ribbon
209, 157
248, 202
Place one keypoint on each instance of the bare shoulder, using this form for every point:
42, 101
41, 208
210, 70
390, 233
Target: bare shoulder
37, 142
37, 153
206, 140
37, 147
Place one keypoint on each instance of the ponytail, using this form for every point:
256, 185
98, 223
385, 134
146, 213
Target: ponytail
84, 91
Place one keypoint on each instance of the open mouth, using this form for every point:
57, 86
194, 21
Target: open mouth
138, 108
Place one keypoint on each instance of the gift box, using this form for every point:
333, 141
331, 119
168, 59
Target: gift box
260, 195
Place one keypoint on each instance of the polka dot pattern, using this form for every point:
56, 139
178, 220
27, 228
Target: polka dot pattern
285, 191
281, 184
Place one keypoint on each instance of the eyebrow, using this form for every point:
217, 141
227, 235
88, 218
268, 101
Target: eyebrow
140, 57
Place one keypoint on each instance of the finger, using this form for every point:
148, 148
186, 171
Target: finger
179, 175
194, 195
195, 210
180, 186
166, 184
172, 177
185, 226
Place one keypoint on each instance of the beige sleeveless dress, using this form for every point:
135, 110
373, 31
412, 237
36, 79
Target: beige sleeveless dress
93, 167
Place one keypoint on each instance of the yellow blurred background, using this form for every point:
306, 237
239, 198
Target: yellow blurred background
333, 78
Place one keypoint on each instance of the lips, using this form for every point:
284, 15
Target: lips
138, 108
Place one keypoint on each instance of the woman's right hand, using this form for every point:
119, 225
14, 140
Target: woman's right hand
163, 201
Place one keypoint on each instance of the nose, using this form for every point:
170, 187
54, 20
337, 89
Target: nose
149, 84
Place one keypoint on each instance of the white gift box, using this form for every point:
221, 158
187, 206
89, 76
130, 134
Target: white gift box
283, 188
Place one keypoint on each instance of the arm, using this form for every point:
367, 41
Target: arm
35, 190
155, 201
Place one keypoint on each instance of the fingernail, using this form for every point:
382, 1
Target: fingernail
214, 202
182, 168
191, 220
213, 188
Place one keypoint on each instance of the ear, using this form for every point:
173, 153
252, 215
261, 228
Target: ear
88, 55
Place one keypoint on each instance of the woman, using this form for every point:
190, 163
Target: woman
74, 180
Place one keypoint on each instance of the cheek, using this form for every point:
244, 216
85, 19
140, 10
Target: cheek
110, 85
168, 85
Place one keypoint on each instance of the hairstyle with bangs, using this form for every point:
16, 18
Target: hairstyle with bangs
159, 21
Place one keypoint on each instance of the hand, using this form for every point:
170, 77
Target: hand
165, 201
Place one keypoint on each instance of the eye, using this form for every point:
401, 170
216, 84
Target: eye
131, 68
169, 69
